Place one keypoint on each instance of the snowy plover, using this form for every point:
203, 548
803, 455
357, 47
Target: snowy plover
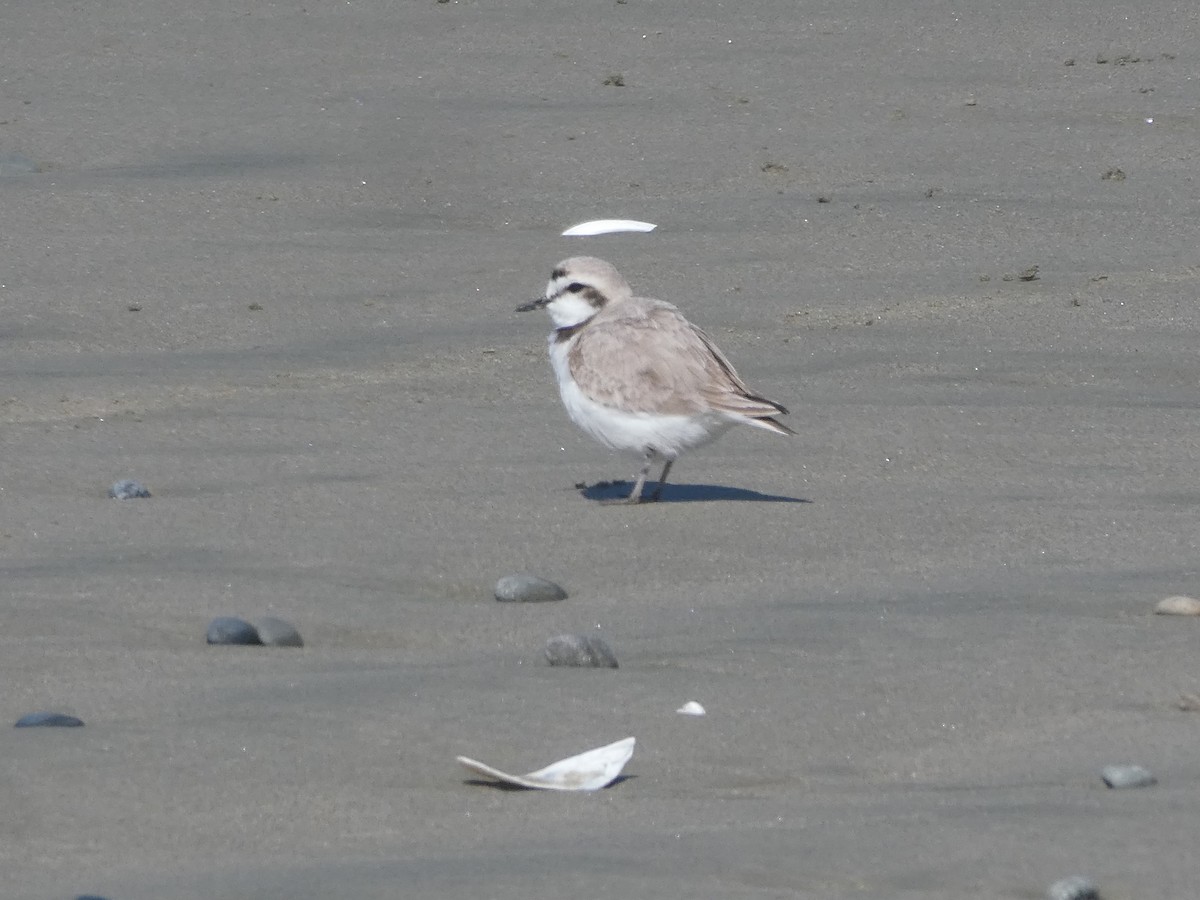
636, 375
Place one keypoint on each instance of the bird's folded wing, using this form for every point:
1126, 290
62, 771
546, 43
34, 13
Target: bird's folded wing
660, 363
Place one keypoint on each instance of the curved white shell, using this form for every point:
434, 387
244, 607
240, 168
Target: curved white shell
588, 771
607, 226
692, 708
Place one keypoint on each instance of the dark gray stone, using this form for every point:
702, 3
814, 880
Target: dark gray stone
580, 650
1074, 888
528, 589
231, 630
1127, 777
49, 720
128, 489
278, 633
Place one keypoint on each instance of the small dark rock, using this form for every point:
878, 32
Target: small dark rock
1074, 888
1127, 777
231, 630
278, 633
579, 650
128, 489
48, 719
528, 589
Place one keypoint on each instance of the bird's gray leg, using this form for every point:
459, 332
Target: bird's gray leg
635, 495
662, 479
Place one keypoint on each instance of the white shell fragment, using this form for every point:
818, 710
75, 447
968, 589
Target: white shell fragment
588, 771
607, 226
692, 708
1178, 606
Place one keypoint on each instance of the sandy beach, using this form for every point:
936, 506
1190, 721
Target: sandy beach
265, 258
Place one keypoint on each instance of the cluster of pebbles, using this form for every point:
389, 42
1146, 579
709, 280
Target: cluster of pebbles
268, 632
577, 650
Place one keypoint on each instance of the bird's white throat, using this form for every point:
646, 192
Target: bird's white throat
568, 310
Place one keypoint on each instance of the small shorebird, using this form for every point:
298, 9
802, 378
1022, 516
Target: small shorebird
636, 375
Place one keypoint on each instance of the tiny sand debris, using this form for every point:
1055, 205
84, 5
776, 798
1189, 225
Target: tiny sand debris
692, 708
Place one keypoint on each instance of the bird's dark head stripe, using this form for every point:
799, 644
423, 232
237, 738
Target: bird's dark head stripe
558, 273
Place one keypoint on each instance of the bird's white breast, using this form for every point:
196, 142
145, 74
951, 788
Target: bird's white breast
634, 432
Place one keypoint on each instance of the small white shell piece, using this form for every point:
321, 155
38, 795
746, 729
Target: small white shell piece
692, 708
588, 771
1178, 606
607, 226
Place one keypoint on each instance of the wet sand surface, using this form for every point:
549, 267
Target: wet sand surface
267, 265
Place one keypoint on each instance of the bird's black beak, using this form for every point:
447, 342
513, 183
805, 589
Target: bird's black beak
533, 304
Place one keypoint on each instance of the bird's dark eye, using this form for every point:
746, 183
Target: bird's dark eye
575, 287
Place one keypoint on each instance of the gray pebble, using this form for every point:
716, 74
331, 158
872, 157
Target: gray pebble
48, 719
1074, 888
128, 489
278, 633
1127, 777
579, 650
528, 589
230, 630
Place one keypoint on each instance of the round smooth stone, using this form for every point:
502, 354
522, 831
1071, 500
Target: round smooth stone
1127, 777
278, 633
580, 650
49, 720
231, 630
528, 589
1178, 606
128, 489
1074, 888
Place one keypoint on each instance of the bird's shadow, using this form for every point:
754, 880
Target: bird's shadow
603, 491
